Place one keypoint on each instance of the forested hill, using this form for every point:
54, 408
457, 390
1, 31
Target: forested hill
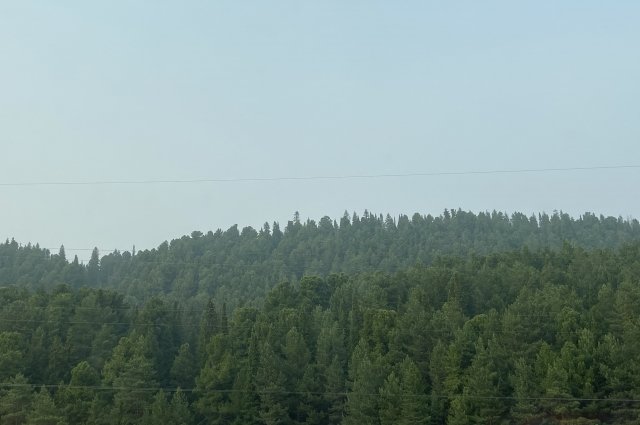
236, 264
547, 337
243, 264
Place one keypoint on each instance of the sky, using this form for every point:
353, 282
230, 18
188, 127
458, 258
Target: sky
180, 90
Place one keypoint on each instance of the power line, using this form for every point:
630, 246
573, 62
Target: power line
394, 306
317, 177
326, 393
245, 328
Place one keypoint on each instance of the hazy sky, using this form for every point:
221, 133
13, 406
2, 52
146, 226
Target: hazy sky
130, 90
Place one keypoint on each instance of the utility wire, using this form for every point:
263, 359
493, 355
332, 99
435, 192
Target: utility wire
395, 306
317, 177
258, 325
326, 393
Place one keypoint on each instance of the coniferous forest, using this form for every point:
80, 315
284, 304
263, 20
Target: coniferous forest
461, 318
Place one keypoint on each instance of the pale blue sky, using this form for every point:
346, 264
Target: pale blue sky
158, 89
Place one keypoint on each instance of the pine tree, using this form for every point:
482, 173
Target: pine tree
390, 409
298, 375
458, 412
159, 412
77, 398
334, 387
362, 399
184, 367
244, 401
413, 403
16, 402
179, 412
11, 355
131, 372
215, 381
438, 377
93, 268
44, 411
525, 389
482, 389
37, 355
209, 326
554, 379
271, 386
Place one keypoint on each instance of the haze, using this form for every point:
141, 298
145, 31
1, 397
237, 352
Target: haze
190, 90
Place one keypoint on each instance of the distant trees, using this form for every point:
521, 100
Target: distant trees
243, 264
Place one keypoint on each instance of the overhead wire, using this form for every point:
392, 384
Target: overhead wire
231, 328
317, 393
316, 177
394, 306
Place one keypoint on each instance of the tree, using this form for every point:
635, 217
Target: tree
413, 403
554, 380
93, 268
184, 367
298, 375
11, 355
131, 373
438, 377
62, 254
481, 393
362, 399
335, 386
44, 411
214, 383
271, 386
458, 412
180, 413
159, 412
244, 402
77, 398
209, 326
390, 401
15, 403
525, 389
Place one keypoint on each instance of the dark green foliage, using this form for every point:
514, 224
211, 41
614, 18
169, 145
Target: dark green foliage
184, 368
77, 397
168, 410
16, 400
529, 335
44, 411
130, 371
215, 382
414, 409
11, 354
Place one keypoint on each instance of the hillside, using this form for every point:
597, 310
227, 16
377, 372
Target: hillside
243, 265
544, 337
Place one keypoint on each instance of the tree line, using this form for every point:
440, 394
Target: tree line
239, 266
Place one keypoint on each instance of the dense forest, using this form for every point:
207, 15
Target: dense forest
457, 319
237, 266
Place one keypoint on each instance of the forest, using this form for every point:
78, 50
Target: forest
461, 318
